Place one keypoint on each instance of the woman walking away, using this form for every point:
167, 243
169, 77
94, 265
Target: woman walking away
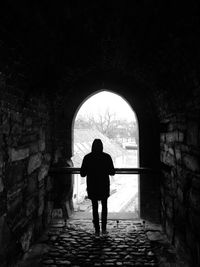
97, 166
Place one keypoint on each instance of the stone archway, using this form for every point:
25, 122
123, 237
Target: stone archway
148, 130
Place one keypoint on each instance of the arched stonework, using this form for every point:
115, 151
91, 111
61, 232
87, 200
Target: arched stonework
148, 136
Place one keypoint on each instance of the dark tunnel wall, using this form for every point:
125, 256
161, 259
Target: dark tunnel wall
179, 156
25, 156
53, 56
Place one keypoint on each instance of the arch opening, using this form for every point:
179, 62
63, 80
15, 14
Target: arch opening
108, 116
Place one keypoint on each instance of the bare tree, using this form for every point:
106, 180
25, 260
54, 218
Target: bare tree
104, 122
108, 124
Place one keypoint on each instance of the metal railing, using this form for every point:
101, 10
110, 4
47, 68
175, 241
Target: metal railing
75, 170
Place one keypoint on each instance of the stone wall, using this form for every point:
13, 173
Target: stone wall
25, 206
180, 189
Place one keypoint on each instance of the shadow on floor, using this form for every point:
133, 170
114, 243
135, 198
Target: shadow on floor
129, 243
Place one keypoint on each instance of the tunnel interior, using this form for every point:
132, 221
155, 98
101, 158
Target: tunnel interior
52, 57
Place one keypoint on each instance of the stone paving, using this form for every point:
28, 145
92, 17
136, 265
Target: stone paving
76, 245
128, 243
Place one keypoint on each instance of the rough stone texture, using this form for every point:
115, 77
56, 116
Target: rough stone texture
20, 154
24, 164
128, 243
34, 162
180, 184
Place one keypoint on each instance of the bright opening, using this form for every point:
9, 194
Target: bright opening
109, 117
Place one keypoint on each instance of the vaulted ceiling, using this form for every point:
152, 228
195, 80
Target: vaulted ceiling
155, 42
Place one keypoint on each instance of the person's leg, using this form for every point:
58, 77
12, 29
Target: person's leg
95, 215
65, 212
104, 214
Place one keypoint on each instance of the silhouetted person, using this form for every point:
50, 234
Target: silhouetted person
97, 166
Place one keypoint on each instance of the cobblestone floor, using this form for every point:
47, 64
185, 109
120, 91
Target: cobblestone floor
128, 243
76, 245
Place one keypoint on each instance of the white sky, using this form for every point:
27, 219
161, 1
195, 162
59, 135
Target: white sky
98, 103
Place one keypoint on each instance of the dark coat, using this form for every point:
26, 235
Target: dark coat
97, 166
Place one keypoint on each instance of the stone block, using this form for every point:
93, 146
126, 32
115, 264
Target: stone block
168, 159
43, 172
18, 154
171, 137
162, 137
178, 154
175, 136
191, 162
34, 162
25, 239
171, 151
180, 137
166, 148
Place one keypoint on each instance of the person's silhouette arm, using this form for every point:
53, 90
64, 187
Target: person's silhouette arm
83, 170
111, 167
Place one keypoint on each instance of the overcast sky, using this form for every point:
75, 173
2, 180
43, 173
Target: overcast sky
98, 103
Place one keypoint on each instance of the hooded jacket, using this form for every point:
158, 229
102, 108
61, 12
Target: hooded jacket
97, 166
